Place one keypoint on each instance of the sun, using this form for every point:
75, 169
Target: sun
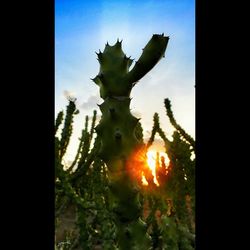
152, 162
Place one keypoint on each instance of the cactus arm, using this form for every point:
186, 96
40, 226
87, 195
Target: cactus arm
77, 154
157, 129
152, 53
67, 129
59, 119
172, 120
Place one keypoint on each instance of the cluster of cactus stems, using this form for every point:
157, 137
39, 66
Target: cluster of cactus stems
117, 132
178, 184
86, 186
76, 183
98, 183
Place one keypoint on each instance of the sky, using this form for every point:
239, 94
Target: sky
83, 27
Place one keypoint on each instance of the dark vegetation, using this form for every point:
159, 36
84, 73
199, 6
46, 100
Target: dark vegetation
83, 216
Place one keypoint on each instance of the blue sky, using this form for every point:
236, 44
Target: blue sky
83, 27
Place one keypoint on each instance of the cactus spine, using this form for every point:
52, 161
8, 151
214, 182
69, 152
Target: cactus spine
117, 131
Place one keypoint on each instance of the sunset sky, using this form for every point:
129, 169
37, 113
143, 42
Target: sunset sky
83, 27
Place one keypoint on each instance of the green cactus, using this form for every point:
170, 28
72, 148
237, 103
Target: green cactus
170, 115
119, 132
68, 126
59, 119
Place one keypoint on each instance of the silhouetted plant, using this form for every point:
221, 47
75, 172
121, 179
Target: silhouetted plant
119, 133
85, 186
183, 133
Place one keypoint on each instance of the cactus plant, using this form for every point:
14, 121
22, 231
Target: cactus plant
83, 191
170, 115
117, 132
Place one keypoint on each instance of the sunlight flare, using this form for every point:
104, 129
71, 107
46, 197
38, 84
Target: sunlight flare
151, 162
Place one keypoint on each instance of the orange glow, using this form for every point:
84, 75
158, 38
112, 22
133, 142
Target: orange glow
152, 164
136, 164
144, 167
144, 181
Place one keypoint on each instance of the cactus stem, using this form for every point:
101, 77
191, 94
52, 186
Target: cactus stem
117, 128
